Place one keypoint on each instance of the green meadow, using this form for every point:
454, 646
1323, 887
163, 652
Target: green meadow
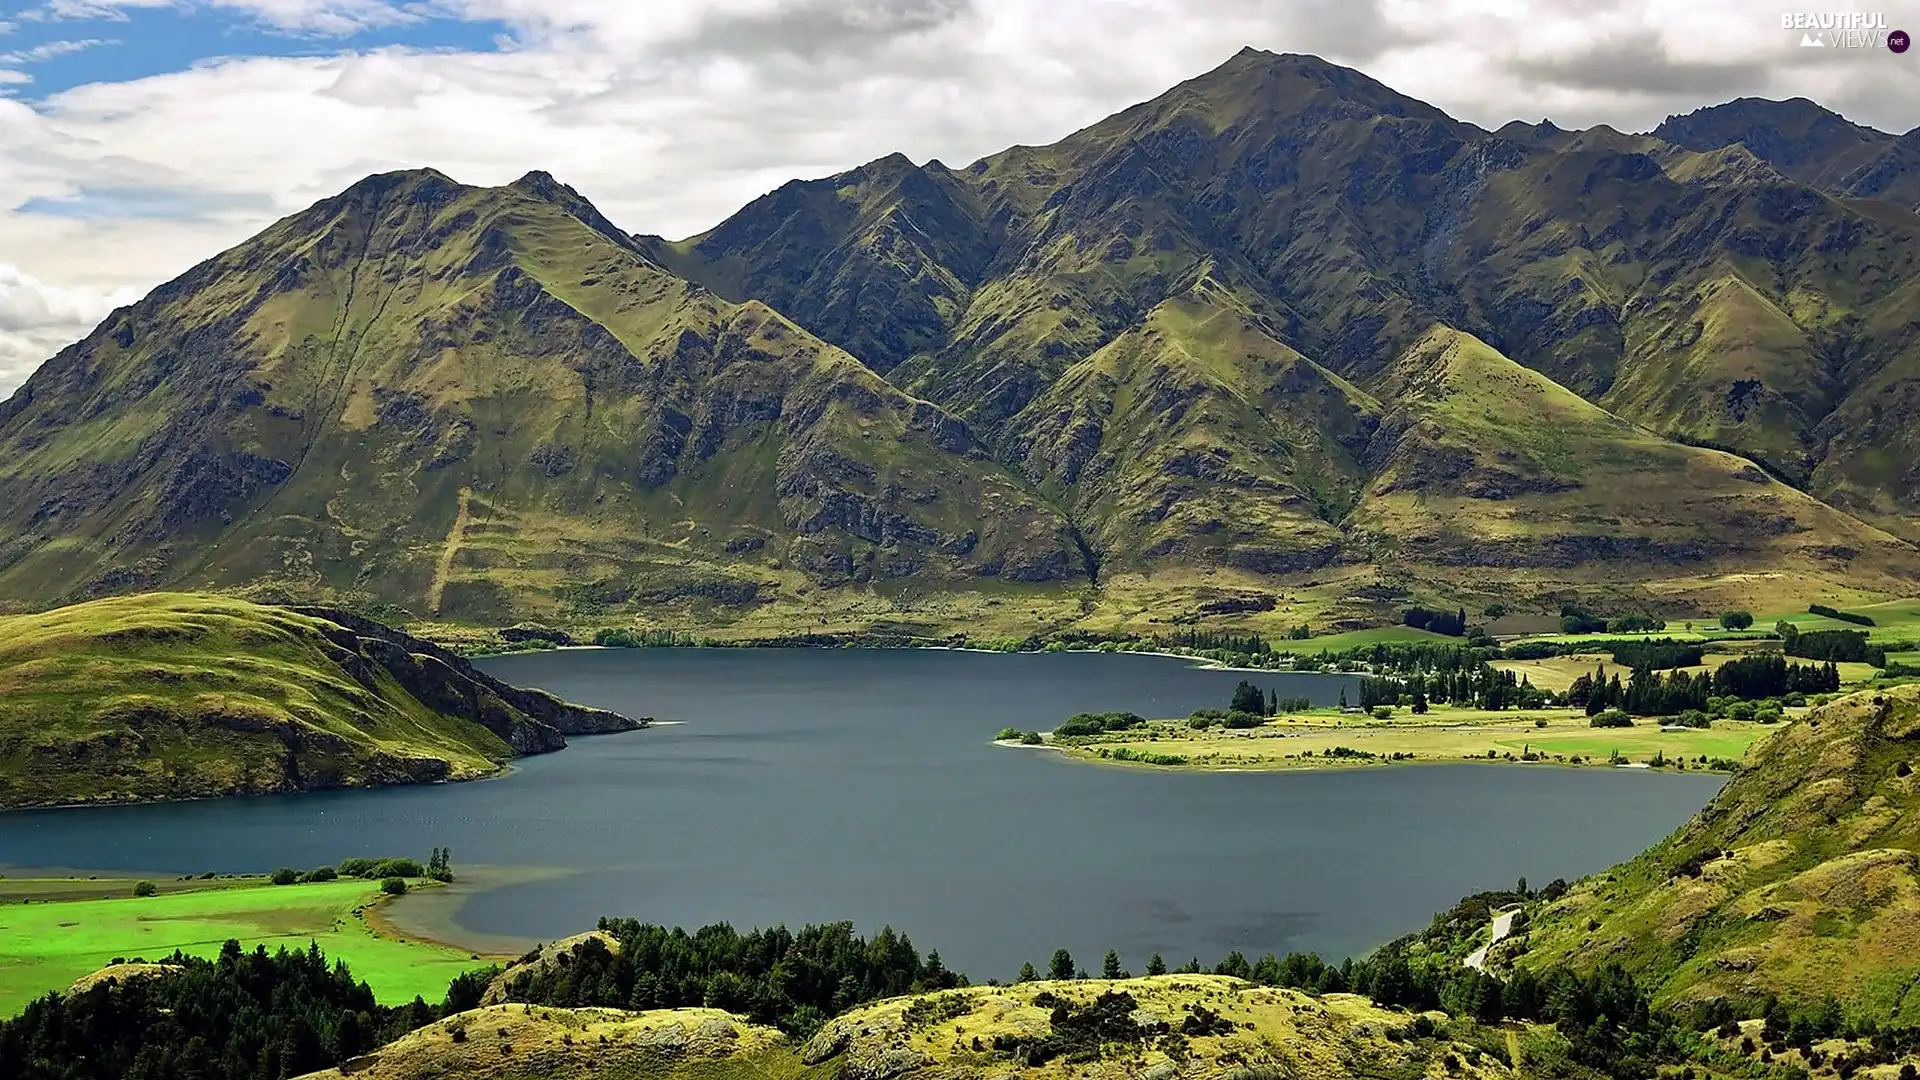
46, 944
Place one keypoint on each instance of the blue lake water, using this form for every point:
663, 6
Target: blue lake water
816, 785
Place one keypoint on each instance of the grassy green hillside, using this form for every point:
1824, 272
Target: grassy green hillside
484, 404
1252, 1031
1700, 288
1799, 880
1210, 345
1196, 437
1483, 462
166, 696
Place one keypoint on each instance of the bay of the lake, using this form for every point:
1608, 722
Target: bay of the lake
810, 785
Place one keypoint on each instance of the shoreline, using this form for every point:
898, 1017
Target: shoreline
504, 770
1290, 747
430, 916
426, 915
1198, 662
1317, 764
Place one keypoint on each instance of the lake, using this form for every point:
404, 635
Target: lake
806, 785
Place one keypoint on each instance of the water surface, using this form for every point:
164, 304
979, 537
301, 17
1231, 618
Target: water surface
814, 785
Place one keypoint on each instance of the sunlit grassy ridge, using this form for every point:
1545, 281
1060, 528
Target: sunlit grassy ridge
1800, 879
952, 1034
178, 695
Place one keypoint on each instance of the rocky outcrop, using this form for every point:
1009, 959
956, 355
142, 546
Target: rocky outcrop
450, 681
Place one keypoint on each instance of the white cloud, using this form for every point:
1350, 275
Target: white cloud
670, 114
48, 50
37, 319
310, 16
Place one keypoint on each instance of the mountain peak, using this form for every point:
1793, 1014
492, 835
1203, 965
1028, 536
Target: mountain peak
408, 183
1258, 81
541, 185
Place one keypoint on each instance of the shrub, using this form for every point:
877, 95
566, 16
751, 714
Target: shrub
1531, 650
387, 868
320, 873
1382, 712
1843, 616
1742, 711
1767, 714
1008, 734
1095, 723
1240, 721
393, 886
1903, 769
356, 868
145, 888
1031, 738
1494, 611
1539, 721
1693, 718
1610, 718
286, 875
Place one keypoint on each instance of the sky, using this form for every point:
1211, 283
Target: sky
138, 137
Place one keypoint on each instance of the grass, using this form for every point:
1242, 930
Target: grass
512, 1042
1799, 879
1559, 672
47, 944
170, 695
1310, 741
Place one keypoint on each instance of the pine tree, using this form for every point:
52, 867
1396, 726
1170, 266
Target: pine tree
1155, 965
1062, 965
1110, 967
1027, 973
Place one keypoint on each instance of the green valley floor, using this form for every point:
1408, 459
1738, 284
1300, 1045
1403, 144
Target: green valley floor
54, 931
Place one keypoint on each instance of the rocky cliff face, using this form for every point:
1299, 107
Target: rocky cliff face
451, 682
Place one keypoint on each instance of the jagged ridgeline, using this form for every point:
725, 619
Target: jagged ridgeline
456, 399
1280, 324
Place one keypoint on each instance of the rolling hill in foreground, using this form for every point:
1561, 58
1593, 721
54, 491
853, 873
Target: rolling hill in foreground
1801, 879
1279, 330
1270, 1033
173, 696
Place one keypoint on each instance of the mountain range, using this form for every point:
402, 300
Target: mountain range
1280, 330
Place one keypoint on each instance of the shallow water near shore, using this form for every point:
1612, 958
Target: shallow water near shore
808, 785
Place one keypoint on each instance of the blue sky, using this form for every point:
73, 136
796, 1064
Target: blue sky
92, 43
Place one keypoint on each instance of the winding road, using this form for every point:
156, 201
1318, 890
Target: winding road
1502, 929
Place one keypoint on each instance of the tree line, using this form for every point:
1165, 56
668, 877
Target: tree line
264, 1016
1649, 693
